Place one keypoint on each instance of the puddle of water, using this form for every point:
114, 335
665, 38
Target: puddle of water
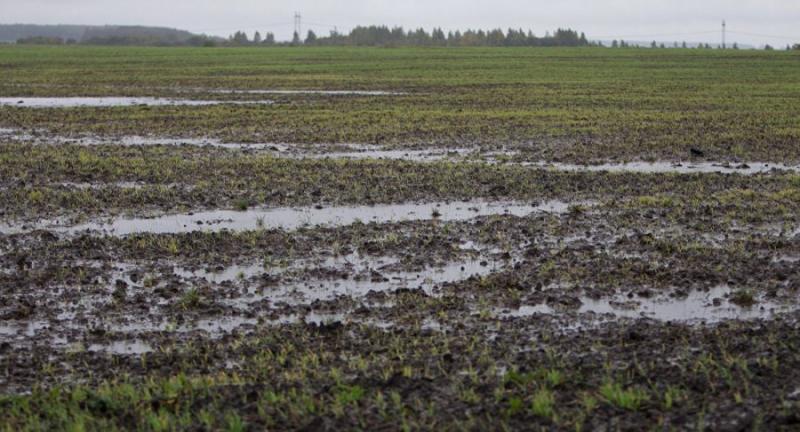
353, 262
432, 324
358, 152
135, 347
140, 327
88, 186
215, 327
373, 151
44, 137
16, 135
326, 318
291, 293
135, 140
233, 91
27, 329
309, 92
321, 290
319, 318
294, 218
103, 102
749, 168
228, 274
698, 306
524, 311
219, 326
789, 259
469, 245
406, 155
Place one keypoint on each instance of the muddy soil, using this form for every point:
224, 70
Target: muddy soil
609, 297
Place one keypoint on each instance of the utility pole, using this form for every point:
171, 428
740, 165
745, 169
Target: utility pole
723, 34
298, 25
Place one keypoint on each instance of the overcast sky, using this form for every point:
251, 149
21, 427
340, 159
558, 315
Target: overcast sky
749, 21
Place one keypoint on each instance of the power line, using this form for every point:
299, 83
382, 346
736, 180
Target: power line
654, 35
765, 36
281, 24
322, 25
725, 32
334, 28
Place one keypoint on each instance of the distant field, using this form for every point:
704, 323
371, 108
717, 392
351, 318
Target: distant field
399, 239
560, 104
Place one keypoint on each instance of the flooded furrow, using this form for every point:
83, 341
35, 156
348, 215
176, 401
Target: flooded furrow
426, 280
294, 218
421, 155
112, 102
304, 92
712, 306
365, 276
743, 168
133, 347
353, 263
288, 92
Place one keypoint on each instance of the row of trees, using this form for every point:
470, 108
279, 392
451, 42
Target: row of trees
240, 38
45, 40
121, 41
105, 35
397, 36
654, 44
359, 36
684, 45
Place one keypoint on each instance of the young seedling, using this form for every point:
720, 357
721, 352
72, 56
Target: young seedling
743, 298
627, 399
543, 402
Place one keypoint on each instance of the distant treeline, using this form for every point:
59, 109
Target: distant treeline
132, 35
359, 36
15, 32
397, 36
45, 40
685, 45
101, 35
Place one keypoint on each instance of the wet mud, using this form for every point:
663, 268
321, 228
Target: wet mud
561, 313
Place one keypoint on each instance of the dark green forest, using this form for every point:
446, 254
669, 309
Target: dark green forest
398, 36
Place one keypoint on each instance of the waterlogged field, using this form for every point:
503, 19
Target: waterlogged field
249, 239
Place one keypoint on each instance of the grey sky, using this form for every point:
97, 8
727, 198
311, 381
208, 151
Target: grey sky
665, 20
